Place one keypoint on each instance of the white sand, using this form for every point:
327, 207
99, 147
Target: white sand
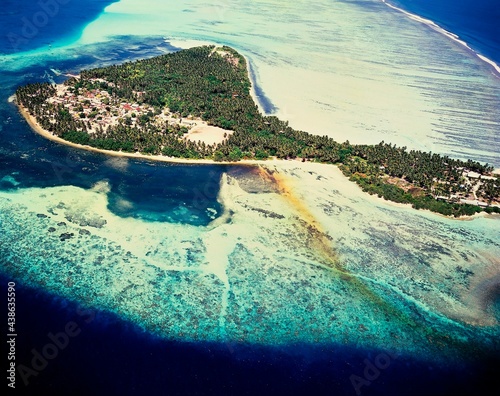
367, 77
265, 271
207, 134
36, 127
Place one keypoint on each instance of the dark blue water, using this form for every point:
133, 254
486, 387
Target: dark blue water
31, 24
152, 189
112, 357
107, 356
476, 22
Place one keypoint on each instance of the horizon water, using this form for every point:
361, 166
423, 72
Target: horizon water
218, 264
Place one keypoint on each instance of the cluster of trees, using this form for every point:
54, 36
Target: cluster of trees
419, 168
147, 138
489, 190
52, 117
35, 95
198, 82
426, 176
214, 85
423, 200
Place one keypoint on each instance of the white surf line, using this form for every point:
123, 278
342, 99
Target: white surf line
218, 247
218, 250
422, 307
448, 34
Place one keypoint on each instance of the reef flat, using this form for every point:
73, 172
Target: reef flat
280, 265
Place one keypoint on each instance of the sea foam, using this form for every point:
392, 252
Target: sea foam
448, 34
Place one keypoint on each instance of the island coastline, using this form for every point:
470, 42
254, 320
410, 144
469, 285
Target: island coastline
270, 164
223, 124
31, 120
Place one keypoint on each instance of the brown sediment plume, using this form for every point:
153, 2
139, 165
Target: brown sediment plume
252, 179
490, 292
321, 243
319, 240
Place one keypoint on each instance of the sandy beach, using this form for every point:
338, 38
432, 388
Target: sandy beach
199, 129
347, 216
210, 135
317, 238
203, 133
253, 276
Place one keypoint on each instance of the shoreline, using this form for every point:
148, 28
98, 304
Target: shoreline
160, 158
186, 44
31, 120
454, 37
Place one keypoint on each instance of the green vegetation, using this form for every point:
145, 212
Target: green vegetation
421, 177
212, 83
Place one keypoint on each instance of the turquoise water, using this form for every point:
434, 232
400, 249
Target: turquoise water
219, 258
28, 24
352, 70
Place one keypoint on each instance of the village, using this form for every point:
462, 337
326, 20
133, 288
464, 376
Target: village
474, 189
100, 111
138, 109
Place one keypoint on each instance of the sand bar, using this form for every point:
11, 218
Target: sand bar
207, 134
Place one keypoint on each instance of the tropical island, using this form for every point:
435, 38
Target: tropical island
196, 104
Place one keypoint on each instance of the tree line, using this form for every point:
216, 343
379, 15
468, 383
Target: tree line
213, 84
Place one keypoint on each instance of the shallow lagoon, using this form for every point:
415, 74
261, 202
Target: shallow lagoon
355, 70
302, 273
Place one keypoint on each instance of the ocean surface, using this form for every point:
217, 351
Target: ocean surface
474, 22
30, 24
221, 280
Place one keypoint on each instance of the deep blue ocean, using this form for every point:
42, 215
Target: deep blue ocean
477, 22
32, 24
110, 356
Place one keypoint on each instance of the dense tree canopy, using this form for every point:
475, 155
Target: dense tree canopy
212, 83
